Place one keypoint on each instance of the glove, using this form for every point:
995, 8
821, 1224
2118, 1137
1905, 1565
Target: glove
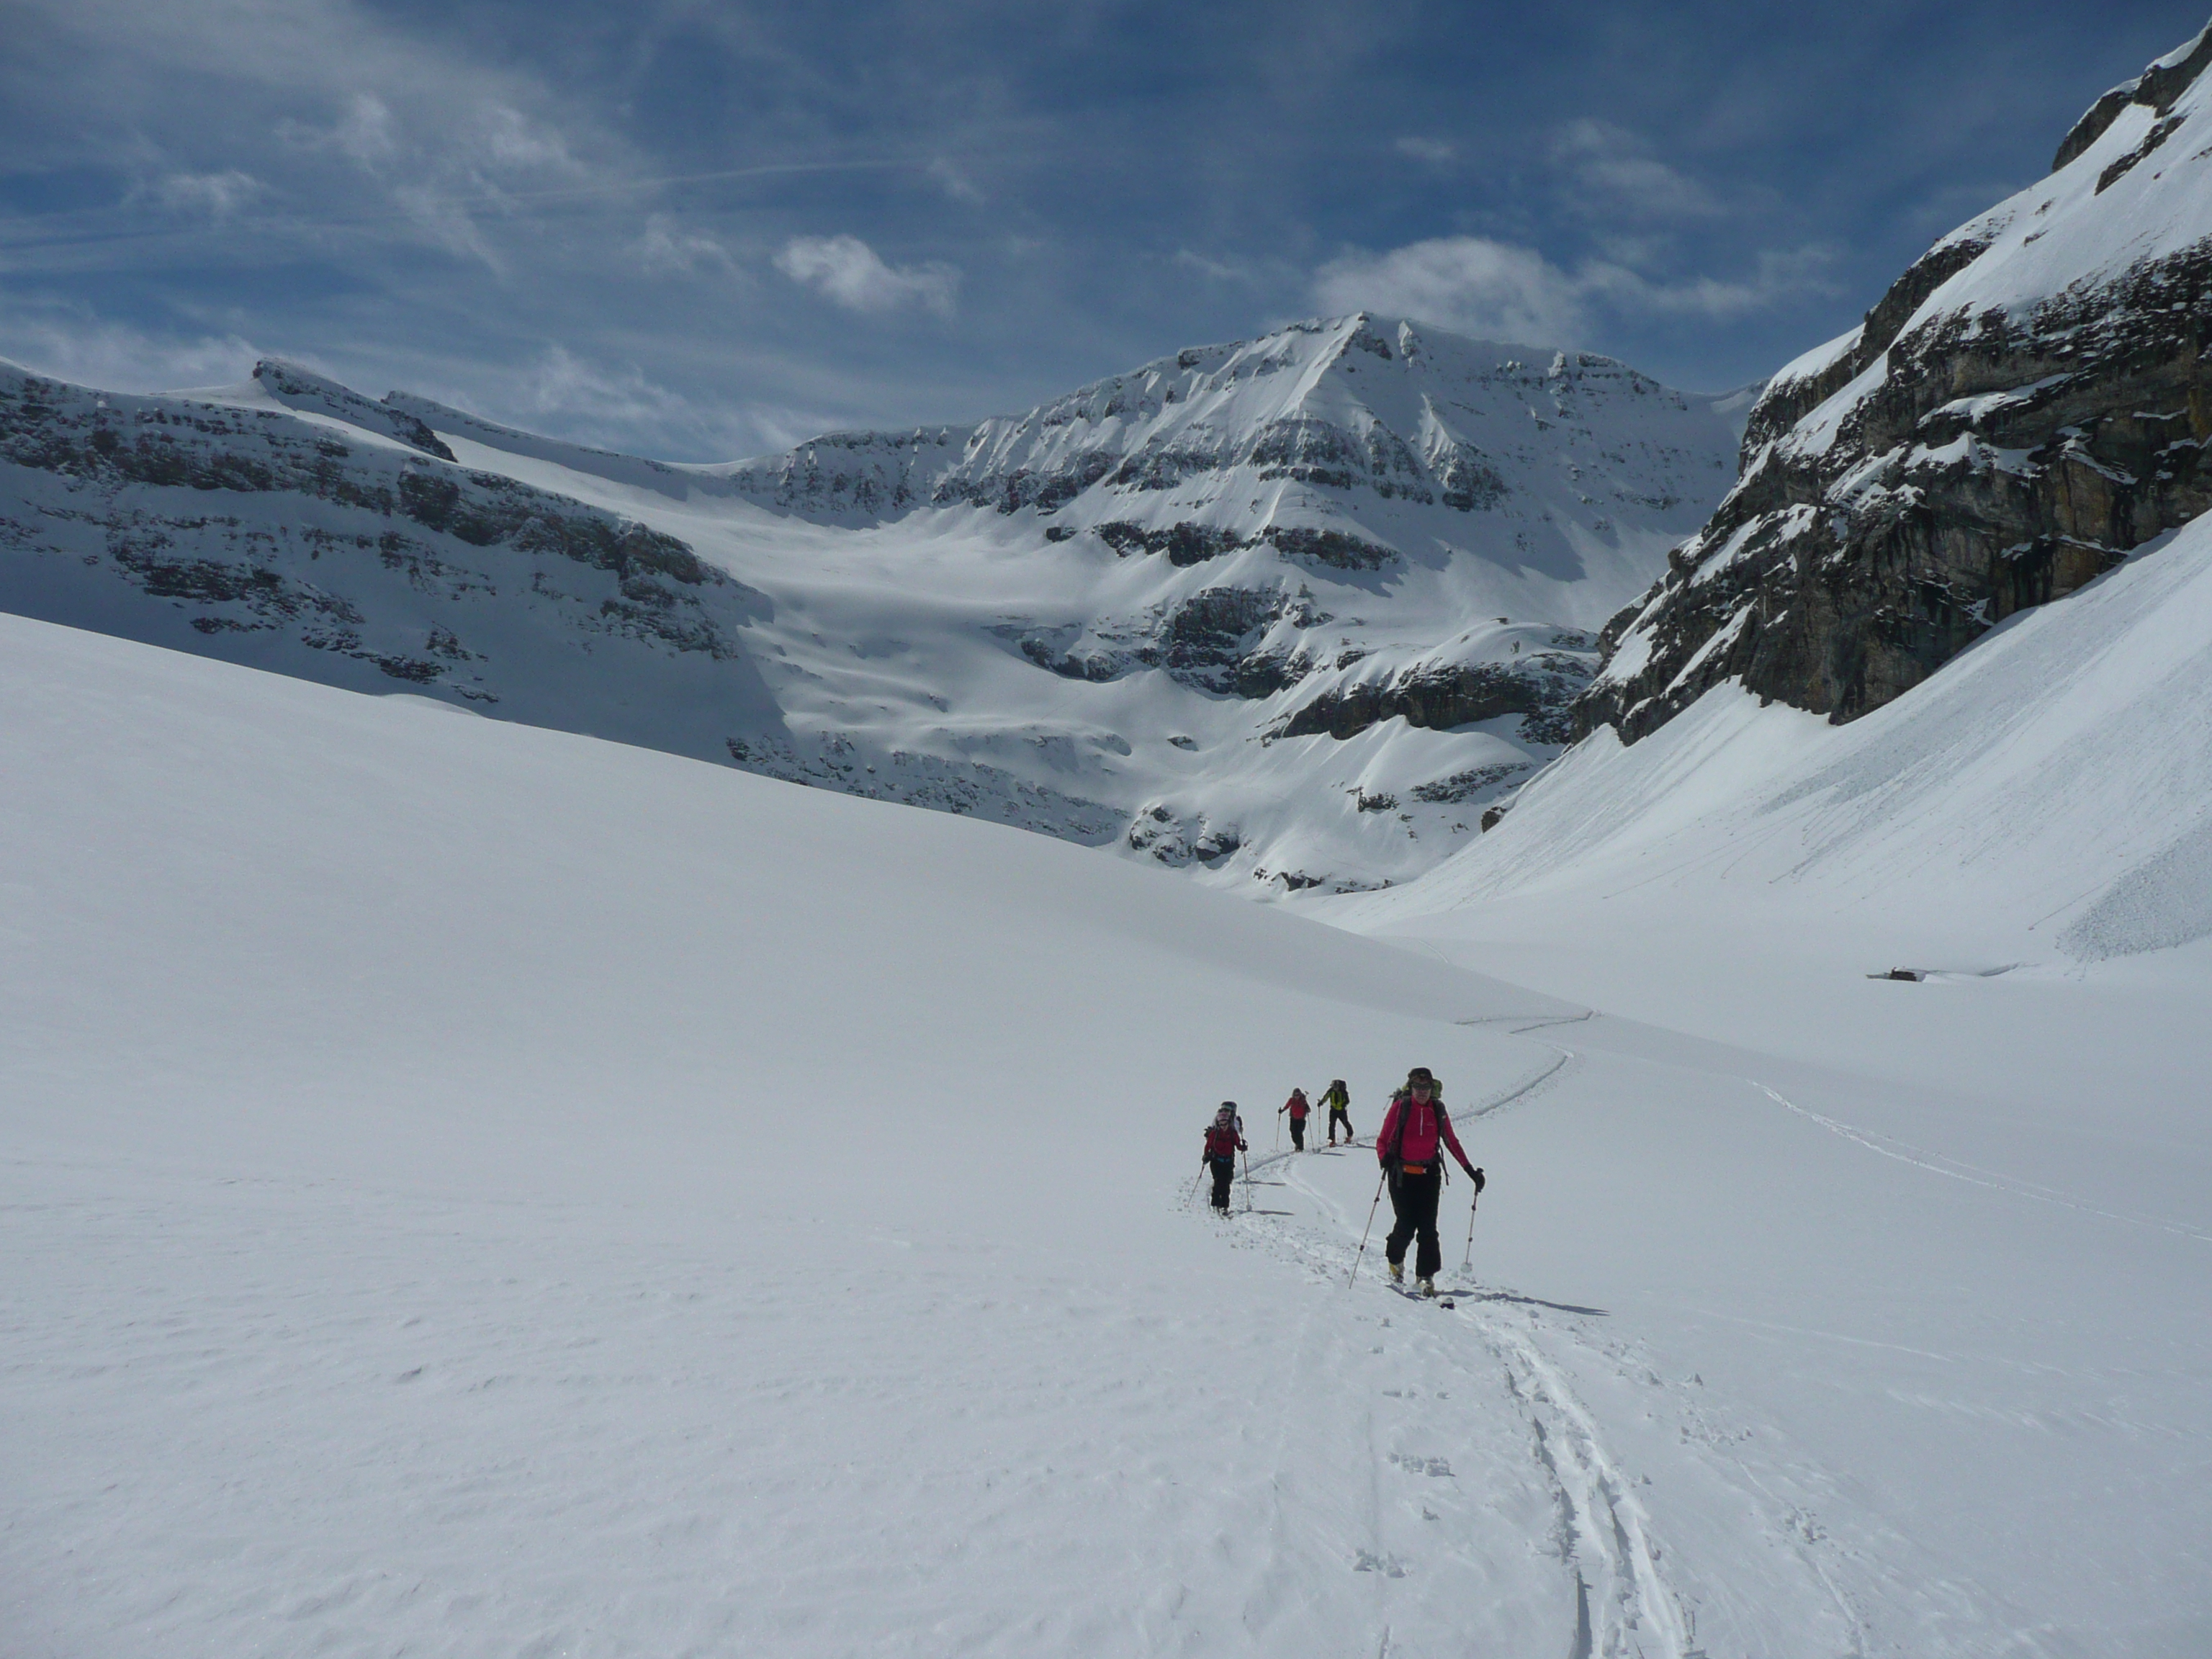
1477, 1174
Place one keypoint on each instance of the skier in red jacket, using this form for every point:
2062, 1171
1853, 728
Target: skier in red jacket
1224, 1139
1411, 1147
1296, 1107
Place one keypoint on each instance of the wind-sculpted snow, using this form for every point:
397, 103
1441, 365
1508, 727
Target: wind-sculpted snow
1217, 610
2023, 407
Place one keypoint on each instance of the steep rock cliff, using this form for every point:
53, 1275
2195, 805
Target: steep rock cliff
2026, 404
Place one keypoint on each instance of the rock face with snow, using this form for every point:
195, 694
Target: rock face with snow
1290, 612
2026, 403
349, 547
1349, 446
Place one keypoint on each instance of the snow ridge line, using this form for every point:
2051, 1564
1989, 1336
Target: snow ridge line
1937, 1164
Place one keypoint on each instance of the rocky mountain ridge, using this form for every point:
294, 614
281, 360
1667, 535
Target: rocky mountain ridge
2023, 407
1284, 634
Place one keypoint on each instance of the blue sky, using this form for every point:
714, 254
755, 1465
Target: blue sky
701, 230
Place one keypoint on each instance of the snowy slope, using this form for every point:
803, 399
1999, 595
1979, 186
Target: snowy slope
2046, 798
1287, 613
476, 1189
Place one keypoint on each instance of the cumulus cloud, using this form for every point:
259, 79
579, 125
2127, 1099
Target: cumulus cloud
1435, 151
1469, 284
846, 272
1498, 290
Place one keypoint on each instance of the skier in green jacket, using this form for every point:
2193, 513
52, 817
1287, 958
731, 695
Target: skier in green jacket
1339, 1102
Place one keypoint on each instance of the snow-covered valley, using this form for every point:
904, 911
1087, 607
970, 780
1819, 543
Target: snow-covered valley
476, 1189
490, 1167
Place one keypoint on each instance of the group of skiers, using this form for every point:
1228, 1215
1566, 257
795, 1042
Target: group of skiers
1416, 1132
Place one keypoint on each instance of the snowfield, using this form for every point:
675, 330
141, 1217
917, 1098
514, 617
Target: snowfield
478, 1189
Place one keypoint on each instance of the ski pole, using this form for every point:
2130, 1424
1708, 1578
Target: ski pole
1369, 1228
1473, 1204
1194, 1186
1248, 1182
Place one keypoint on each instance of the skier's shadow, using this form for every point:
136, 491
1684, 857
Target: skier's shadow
1532, 1302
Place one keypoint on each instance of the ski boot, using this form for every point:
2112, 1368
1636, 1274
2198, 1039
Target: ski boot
1397, 1272
1427, 1287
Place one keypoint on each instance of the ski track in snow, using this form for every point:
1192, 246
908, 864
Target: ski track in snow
1955, 1169
1622, 1602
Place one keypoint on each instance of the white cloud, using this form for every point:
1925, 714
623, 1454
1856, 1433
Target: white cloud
77, 347
1778, 275
621, 408
515, 142
216, 194
1469, 284
952, 182
1617, 173
1219, 271
1496, 291
364, 132
666, 248
1435, 151
846, 272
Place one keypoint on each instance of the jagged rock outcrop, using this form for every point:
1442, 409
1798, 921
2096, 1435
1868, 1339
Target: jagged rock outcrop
1540, 686
2027, 403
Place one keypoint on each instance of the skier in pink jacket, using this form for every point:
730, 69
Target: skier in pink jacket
1411, 1147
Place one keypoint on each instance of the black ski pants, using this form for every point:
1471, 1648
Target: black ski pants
1413, 1198
1225, 1171
1297, 1134
1339, 1114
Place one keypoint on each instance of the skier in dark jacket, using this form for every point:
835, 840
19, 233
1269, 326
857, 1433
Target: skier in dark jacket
1339, 1102
1224, 1139
1296, 1107
1411, 1147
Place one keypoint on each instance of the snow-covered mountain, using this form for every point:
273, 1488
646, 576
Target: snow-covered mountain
1292, 612
2024, 406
